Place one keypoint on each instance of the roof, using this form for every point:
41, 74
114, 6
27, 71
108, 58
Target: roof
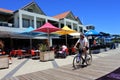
77, 18
33, 3
6, 11
61, 16
65, 14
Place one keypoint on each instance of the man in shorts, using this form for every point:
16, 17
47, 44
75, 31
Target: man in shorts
83, 45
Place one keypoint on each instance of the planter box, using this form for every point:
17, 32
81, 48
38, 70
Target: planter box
47, 55
51, 55
4, 62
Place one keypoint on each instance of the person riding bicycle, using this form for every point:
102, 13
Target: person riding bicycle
84, 44
82, 59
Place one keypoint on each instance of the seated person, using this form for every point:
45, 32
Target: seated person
64, 47
62, 51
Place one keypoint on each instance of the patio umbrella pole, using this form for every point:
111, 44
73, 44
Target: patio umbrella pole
48, 39
64, 31
66, 39
47, 28
30, 41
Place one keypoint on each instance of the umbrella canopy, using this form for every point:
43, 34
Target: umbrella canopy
47, 28
76, 34
64, 31
29, 29
104, 34
92, 33
29, 33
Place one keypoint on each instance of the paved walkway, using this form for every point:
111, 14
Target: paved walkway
61, 69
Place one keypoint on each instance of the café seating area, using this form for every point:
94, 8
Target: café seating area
24, 53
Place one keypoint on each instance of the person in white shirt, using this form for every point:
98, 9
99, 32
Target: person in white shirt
84, 44
64, 47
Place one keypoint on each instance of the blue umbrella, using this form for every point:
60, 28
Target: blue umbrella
30, 33
92, 33
29, 29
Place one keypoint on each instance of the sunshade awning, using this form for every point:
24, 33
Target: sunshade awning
92, 33
65, 30
47, 28
75, 35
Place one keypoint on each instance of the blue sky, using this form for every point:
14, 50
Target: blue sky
103, 14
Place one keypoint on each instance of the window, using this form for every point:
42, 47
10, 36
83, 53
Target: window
75, 28
32, 23
26, 23
38, 24
90, 27
81, 30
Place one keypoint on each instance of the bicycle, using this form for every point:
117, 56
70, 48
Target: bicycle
78, 60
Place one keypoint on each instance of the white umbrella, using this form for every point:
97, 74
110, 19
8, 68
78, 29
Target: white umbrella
75, 34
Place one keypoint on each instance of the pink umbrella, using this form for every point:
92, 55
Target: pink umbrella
47, 28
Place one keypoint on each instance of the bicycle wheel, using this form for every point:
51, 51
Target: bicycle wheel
77, 61
89, 59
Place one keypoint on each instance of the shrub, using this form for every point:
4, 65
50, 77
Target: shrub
42, 47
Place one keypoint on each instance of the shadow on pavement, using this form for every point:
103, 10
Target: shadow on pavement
114, 75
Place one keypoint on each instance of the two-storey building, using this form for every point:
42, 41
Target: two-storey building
12, 22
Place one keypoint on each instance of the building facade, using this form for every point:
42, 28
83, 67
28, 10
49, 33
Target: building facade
32, 15
88, 27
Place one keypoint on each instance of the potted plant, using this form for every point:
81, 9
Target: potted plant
43, 47
45, 55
